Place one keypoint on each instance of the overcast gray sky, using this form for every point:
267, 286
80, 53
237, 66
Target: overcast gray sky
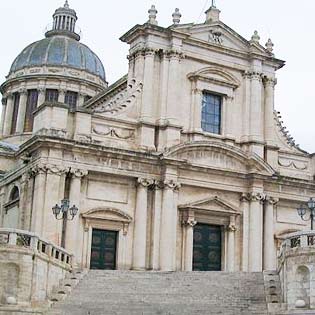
290, 24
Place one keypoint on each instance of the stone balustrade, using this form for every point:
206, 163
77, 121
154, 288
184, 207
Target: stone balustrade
30, 268
296, 267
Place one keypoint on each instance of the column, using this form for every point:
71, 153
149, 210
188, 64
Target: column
168, 227
148, 81
245, 207
231, 245
4, 106
255, 232
156, 225
270, 253
256, 113
74, 232
188, 229
269, 84
41, 96
8, 116
39, 172
140, 229
22, 111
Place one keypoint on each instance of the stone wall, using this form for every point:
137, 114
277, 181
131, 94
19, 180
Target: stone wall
29, 269
297, 270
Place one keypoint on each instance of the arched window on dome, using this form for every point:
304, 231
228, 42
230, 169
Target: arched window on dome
11, 209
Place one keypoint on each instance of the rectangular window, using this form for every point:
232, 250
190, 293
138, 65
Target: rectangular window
16, 103
31, 105
51, 95
211, 113
71, 99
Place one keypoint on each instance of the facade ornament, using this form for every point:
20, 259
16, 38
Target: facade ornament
176, 16
269, 81
245, 197
190, 222
255, 38
269, 45
78, 172
56, 169
39, 168
158, 184
271, 200
145, 182
171, 184
152, 15
124, 134
22, 91
123, 100
231, 228
215, 37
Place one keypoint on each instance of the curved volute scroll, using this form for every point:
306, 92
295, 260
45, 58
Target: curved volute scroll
218, 155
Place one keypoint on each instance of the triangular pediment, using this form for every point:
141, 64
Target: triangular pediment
110, 214
220, 34
211, 204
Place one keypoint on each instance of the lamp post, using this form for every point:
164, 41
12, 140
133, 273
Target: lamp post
64, 213
304, 208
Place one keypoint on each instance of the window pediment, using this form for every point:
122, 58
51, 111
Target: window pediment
216, 76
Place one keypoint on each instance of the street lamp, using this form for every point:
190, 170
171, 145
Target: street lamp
61, 212
304, 208
64, 213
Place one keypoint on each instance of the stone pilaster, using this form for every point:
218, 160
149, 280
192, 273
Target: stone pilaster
168, 226
256, 232
51, 226
270, 253
156, 224
196, 108
231, 245
22, 111
41, 96
61, 95
140, 228
228, 124
246, 104
8, 116
74, 233
4, 106
39, 173
245, 254
188, 223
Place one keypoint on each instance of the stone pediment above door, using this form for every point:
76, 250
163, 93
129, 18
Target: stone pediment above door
110, 214
220, 156
213, 204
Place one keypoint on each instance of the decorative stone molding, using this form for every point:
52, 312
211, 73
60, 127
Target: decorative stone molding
59, 133
123, 100
56, 169
78, 172
171, 184
256, 196
215, 37
22, 91
294, 164
268, 81
120, 133
144, 182
231, 228
271, 200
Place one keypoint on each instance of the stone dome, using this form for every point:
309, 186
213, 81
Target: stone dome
62, 51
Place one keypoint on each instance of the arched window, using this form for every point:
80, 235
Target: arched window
12, 211
14, 195
211, 113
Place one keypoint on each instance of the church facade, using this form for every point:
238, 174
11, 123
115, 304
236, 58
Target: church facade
182, 164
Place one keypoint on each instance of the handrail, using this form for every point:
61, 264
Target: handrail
27, 239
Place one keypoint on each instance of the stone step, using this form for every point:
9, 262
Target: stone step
173, 293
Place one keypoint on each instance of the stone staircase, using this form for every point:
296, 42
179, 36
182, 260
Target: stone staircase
165, 293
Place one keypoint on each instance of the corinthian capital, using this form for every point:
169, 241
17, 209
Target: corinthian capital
271, 200
171, 184
145, 182
269, 81
78, 173
56, 169
256, 196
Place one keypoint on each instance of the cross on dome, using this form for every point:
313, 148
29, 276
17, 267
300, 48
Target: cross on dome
66, 5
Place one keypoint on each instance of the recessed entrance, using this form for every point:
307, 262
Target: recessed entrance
207, 248
103, 249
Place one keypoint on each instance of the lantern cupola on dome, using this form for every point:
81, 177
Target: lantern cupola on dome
64, 22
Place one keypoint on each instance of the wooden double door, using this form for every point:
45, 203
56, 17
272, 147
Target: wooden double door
207, 248
103, 249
